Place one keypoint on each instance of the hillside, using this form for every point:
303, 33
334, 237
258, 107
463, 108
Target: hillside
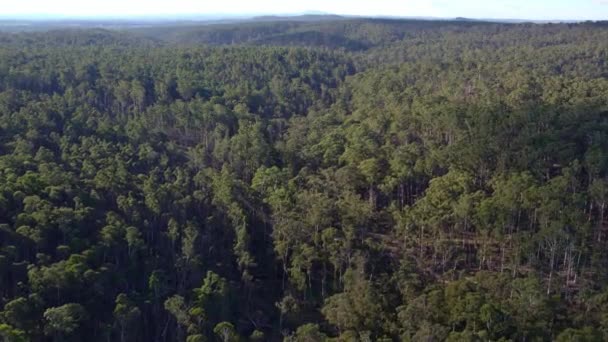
319, 179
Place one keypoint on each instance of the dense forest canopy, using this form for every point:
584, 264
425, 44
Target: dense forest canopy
330, 180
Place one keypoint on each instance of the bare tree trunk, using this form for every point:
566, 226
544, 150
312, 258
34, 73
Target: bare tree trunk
600, 224
551, 269
502, 257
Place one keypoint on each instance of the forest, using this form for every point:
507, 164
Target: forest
307, 180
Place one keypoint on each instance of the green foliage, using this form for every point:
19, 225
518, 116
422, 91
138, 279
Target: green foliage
337, 179
127, 316
358, 308
582, 335
65, 319
308, 333
10, 334
225, 331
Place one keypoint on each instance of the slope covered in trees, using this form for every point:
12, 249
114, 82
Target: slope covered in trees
354, 180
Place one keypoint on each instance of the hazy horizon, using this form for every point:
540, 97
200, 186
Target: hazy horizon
116, 9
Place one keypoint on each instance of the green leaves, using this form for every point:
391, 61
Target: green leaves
177, 307
126, 315
214, 297
225, 331
422, 183
308, 333
65, 319
10, 334
358, 308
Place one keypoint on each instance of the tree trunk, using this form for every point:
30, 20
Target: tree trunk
551, 270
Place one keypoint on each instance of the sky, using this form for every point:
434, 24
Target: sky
499, 9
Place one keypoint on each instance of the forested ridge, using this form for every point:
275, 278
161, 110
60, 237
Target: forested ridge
340, 180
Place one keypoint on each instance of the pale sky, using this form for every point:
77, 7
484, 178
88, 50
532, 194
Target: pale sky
521, 9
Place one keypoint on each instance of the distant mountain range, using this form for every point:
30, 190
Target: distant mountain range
37, 22
303, 17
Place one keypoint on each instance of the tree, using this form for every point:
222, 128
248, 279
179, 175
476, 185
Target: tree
21, 313
350, 180
10, 334
225, 331
176, 306
214, 298
126, 315
308, 333
583, 335
63, 321
358, 308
